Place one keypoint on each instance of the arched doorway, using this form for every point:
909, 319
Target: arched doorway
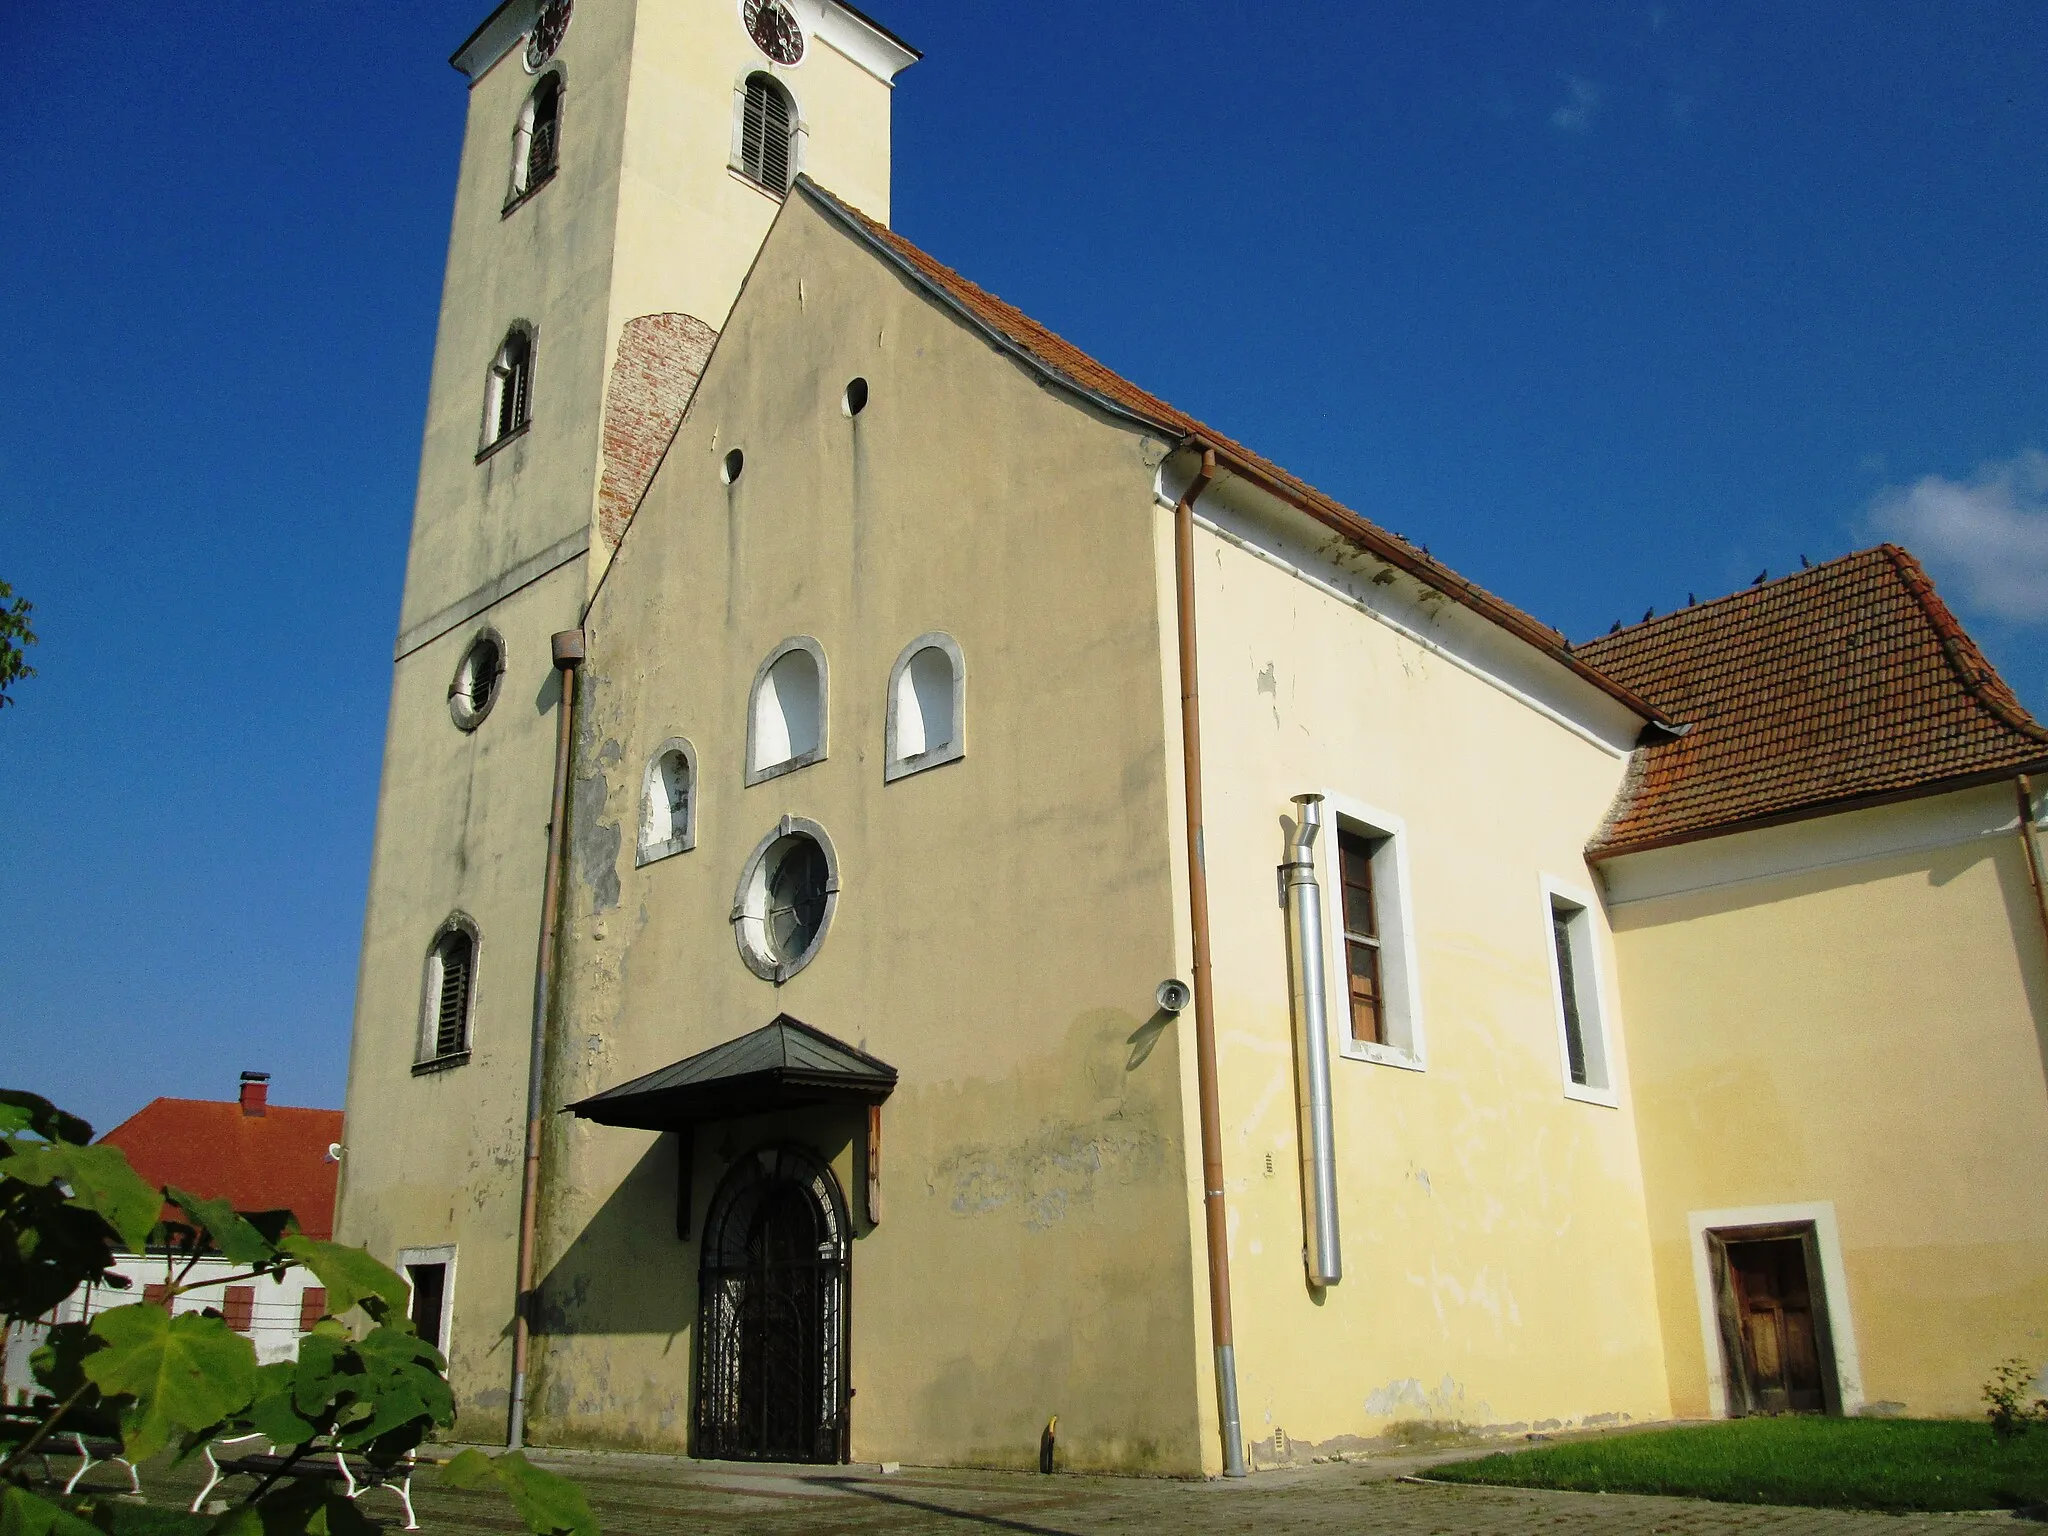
771, 1320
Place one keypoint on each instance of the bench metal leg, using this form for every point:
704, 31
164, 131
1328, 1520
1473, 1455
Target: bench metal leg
85, 1463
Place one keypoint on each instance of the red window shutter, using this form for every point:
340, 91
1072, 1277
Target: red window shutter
312, 1307
156, 1295
240, 1307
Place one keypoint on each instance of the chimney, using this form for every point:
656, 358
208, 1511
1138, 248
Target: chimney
255, 1094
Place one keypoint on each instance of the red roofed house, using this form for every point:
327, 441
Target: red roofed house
262, 1157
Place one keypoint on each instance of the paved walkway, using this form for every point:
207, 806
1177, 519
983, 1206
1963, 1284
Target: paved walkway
656, 1496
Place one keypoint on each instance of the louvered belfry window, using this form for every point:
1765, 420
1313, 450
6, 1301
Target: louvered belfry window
768, 134
451, 1003
511, 387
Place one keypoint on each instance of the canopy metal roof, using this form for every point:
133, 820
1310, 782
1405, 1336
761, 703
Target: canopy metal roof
785, 1064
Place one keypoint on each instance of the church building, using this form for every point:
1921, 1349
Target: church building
919, 888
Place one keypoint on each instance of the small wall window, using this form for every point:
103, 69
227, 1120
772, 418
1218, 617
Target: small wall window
449, 999
508, 394
430, 1272
927, 707
668, 816
788, 892
786, 716
1376, 1013
766, 153
1575, 993
479, 676
537, 140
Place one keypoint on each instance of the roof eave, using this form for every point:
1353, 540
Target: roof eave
1601, 853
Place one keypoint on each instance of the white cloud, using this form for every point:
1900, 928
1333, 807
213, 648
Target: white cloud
1990, 532
1576, 115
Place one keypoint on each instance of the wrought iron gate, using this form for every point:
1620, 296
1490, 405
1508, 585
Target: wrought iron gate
771, 1360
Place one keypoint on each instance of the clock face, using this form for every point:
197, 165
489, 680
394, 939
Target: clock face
546, 35
773, 30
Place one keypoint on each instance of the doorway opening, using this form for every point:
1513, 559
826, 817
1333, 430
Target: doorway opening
772, 1318
1771, 1301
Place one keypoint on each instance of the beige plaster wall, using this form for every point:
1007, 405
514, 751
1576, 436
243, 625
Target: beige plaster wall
461, 826
1494, 1241
1003, 919
1869, 1034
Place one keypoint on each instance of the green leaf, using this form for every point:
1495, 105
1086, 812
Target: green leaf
184, 1372
549, 1504
27, 1112
274, 1411
100, 1181
351, 1276
237, 1240
241, 1520
318, 1375
23, 1514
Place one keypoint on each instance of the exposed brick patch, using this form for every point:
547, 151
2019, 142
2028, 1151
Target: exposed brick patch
660, 359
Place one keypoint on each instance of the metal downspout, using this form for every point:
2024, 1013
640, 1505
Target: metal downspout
2023, 791
568, 655
1217, 1219
1322, 1253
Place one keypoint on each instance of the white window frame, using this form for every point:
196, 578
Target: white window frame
1597, 1029
1400, 977
656, 815
895, 765
444, 1254
1834, 1285
425, 1057
798, 760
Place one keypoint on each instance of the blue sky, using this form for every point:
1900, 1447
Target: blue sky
1606, 303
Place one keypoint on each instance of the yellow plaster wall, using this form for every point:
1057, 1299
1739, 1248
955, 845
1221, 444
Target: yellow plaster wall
435, 1159
1003, 919
1867, 1034
1494, 1240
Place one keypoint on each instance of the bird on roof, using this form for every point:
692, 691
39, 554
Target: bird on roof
1690, 600
1649, 613
1617, 628
1762, 576
1805, 564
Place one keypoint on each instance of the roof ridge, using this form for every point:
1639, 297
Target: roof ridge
1752, 590
1971, 668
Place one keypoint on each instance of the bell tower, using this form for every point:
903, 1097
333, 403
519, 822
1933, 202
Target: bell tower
621, 164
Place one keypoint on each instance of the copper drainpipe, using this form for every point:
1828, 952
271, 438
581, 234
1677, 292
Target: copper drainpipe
568, 653
1205, 1002
2023, 791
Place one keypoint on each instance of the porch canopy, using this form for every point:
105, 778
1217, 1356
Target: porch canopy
785, 1064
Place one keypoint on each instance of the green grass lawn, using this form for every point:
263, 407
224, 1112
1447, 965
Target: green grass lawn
1886, 1464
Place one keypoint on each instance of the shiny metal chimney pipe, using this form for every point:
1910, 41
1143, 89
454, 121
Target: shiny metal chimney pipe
1321, 1250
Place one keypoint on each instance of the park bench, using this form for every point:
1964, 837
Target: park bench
356, 1475
92, 1437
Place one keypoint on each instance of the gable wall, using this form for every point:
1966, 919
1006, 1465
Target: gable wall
1003, 919
1496, 1268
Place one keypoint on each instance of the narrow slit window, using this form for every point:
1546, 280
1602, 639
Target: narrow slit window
786, 716
927, 698
1361, 938
767, 134
1581, 1023
668, 820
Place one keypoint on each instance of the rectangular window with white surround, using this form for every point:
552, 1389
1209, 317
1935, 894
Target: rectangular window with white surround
1575, 992
430, 1274
1375, 1011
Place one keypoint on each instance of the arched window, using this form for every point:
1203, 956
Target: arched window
786, 713
668, 813
768, 132
449, 996
927, 707
508, 396
537, 141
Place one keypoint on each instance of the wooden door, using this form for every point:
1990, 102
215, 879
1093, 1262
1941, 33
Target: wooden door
1774, 1310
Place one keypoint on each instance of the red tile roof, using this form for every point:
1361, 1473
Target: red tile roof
273, 1161
1844, 684
1063, 360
